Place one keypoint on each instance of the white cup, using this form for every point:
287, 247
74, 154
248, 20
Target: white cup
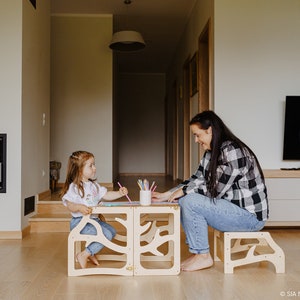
145, 198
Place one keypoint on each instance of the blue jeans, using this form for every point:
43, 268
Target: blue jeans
198, 212
89, 229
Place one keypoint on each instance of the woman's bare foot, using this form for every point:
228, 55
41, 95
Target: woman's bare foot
186, 261
82, 258
94, 260
198, 262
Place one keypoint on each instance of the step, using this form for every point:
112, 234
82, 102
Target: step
50, 222
51, 207
59, 222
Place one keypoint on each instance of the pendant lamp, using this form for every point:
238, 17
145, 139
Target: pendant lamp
127, 40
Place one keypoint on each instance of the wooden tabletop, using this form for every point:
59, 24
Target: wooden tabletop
277, 173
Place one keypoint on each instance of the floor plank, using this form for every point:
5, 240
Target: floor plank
36, 268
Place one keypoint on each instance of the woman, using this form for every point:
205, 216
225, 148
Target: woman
227, 192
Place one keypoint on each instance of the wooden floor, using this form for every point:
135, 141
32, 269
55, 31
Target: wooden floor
36, 268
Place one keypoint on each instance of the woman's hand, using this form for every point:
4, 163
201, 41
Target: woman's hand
160, 197
175, 196
167, 196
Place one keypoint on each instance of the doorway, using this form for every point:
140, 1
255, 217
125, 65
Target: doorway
192, 105
204, 96
204, 69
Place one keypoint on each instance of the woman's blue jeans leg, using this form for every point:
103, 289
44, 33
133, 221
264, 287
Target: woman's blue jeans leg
198, 212
89, 229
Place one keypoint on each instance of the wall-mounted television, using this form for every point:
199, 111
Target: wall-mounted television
291, 144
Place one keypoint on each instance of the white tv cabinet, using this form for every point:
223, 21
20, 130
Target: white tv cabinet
284, 197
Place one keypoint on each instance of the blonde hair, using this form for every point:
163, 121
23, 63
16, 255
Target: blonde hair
76, 163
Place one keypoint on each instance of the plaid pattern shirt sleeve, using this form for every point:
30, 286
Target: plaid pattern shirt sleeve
238, 180
196, 183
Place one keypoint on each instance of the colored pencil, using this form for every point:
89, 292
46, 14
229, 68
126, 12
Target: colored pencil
152, 185
119, 184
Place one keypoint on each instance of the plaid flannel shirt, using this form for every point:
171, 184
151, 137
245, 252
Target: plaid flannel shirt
238, 180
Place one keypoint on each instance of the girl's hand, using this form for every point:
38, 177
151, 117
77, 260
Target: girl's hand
74, 207
85, 210
123, 191
160, 197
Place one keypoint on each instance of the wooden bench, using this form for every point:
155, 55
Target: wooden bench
242, 248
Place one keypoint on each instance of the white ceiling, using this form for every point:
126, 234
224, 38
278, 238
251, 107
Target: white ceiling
161, 22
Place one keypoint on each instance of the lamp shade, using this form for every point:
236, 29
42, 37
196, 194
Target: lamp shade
127, 41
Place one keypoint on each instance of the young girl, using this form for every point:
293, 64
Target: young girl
80, 192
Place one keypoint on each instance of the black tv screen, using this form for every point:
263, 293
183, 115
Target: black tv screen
291, 144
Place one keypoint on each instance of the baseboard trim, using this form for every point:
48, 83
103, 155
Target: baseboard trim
44, 195
15, 235
26, 231
10, 235
142, 174
106, 184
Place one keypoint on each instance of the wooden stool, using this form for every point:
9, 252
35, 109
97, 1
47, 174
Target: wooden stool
256, 247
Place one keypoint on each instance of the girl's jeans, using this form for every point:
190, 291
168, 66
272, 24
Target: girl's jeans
108, 231
198, 212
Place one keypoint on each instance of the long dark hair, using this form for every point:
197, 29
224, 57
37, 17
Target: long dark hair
220, 134
76, 163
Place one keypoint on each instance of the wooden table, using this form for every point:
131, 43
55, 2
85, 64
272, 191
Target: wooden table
147, 240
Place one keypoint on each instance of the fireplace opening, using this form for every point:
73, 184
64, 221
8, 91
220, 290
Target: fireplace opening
2, 162
29, 205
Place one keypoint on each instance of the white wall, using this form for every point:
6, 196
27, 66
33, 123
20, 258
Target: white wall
35, 101
81, 90
140, 118
10, 111
24, 95
256, 58
257, 64
188, 45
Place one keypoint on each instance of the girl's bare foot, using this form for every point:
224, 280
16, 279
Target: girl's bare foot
82, 258
198, 262
94, 260
186, 261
